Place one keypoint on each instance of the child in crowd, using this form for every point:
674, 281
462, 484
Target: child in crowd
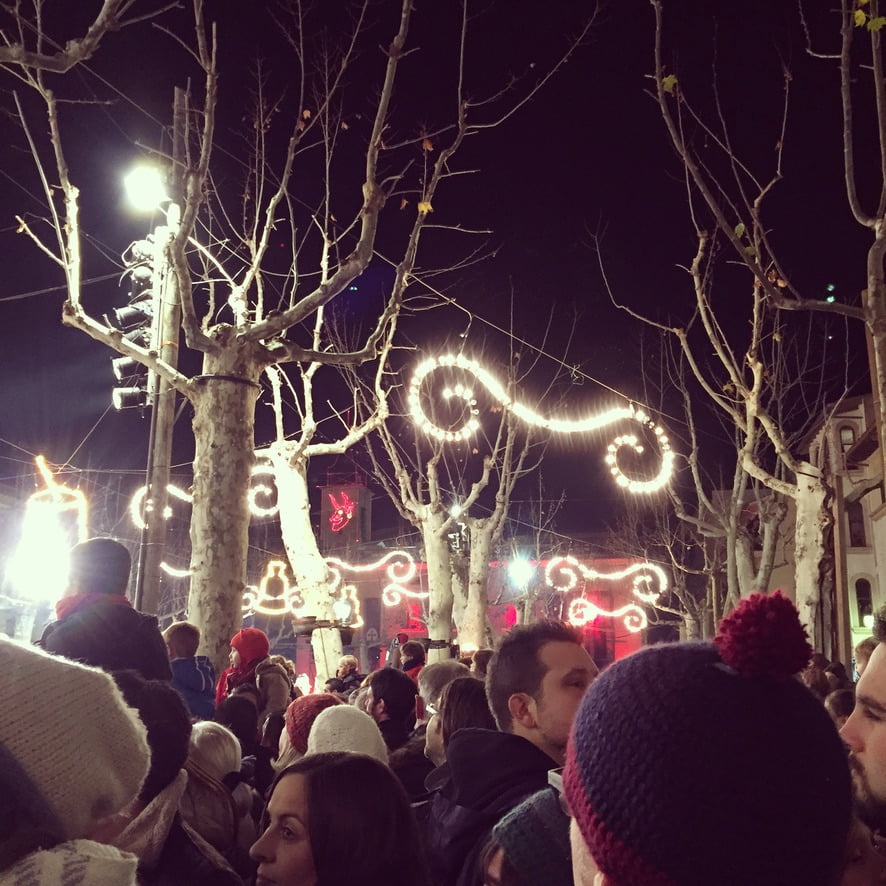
192, 675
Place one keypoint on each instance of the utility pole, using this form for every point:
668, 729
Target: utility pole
167, 319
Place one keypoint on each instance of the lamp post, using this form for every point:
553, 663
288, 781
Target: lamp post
146, 190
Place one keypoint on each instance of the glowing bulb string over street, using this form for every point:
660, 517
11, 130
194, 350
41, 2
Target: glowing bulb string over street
497, 391
649, 582
400, 569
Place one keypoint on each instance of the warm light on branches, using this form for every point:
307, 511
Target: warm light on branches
559, 425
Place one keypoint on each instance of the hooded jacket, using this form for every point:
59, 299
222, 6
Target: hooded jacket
489, 774
194, 678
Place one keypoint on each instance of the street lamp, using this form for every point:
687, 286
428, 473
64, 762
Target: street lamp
146, 191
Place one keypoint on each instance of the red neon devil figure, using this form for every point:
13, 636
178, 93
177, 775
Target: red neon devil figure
342, 511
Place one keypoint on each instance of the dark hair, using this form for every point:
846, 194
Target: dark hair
360, 823
239, 714
462, 704
183, 638
413, 649
515, 666
397, 689
840, 702
480, 661
816, 680
168, 722
99, 565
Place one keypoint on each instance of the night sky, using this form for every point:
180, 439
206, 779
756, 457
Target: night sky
587, 158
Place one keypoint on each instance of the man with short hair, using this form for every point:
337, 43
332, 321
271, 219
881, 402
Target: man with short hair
97, 623
412, 655
535, 683
391, 704
864, 733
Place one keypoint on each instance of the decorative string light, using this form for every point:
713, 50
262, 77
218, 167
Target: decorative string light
342, 510
560, 425
258, 490
39, 567
400, 569
581, 611
259, 599
649, 583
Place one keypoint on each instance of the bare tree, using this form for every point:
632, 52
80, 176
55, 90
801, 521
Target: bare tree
742, 368
240, 309
436, 486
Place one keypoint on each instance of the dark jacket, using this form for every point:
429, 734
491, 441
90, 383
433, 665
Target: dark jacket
489, 774
112, 637
194, 678
188, 860
394, 733
411, 766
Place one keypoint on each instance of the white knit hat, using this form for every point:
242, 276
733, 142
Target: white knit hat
345, 728
68, 727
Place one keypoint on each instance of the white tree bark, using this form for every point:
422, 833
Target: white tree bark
809, 548
224, 408
440, 602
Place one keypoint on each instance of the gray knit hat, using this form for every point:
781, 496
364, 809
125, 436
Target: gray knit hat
71, 732
344, 728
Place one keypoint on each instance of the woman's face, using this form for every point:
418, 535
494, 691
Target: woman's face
235, 657
283, 851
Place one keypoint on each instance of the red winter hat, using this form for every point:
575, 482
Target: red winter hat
300, 716
252, 644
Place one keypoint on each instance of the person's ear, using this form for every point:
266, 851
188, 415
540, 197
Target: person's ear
521, 707
379, 706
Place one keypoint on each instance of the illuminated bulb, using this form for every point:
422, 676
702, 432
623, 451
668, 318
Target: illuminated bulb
399, 568
581, 611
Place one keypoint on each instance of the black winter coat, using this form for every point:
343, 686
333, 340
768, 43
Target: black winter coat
489, 774
112, 637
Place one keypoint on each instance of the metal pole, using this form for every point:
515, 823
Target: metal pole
162, 396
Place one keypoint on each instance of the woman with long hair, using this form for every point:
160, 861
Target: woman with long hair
335, 819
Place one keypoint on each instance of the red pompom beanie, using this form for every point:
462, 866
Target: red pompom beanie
698, 763
252, 644
300, 716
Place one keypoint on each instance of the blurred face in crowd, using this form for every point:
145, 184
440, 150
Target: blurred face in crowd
569, 672
865, 735
234, 657
283, 851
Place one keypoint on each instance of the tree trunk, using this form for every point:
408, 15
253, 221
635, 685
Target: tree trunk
472, 630
307, 564
809, 550
439, 585
224, 409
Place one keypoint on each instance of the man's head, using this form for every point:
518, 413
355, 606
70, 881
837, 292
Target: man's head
347, 664
412, 651
432, 679
865, 734
536, 681
99, 565
392, 696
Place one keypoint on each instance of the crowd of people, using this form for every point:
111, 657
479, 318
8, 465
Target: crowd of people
746, 760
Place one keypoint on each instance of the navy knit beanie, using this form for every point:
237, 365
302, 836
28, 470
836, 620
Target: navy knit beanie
699, 763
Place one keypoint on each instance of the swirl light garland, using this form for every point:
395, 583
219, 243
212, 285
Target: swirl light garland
401, 569
581, 611
560, 425
648, 584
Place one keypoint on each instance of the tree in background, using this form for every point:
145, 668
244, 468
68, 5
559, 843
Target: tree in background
331, 170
